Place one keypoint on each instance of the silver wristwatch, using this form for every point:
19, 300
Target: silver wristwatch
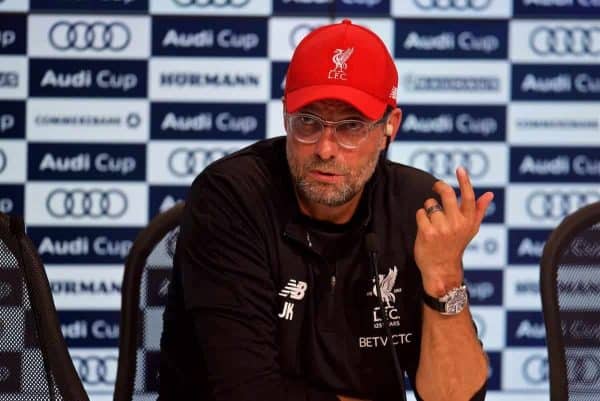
452, 303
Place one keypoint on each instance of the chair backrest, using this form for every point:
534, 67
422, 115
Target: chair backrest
570, 289
144, 293
34, 360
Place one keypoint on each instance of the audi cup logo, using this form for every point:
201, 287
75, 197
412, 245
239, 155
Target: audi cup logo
95, 369
185, 162
299, 32
443, 163
555, 205
535, 369
97, 36
459, 5
2, 160
214, 3
562, 41
93, 203
583, 370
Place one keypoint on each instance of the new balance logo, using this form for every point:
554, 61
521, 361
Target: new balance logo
294, 290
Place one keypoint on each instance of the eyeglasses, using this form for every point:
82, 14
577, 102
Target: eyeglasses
308, 128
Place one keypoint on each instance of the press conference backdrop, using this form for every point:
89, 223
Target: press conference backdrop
109, 109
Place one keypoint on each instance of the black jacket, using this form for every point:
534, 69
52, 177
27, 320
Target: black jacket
258, 308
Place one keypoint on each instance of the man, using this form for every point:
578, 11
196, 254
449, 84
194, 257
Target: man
274, 293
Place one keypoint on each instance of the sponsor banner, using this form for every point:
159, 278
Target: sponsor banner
555, 82
463, 39
12, 161
525, 247
90, 5
98, 289
547, 123
558, 164
14, 5
557, 8
459, 82
13, 77
87, 78
495, 211
579, 286
483, 9
86, 204
235, 121
285, 33
65, 245
485, 286
209, 37
13, 33
89, 120
525, 369
164, 197
90, 37
97, 369
490, 322
487, 249
522, 288
211, 7
495, 377
486, 163
278, 74
525, 329
210, 79
566, 41
11, 199
12, 119
580, 329
544, 205
275, 119
452, 123
322, 7
176, 162
89, 329
76, 162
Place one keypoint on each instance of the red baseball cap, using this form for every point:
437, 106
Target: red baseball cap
346, 62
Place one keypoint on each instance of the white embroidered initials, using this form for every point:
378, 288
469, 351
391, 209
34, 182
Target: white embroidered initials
340, 58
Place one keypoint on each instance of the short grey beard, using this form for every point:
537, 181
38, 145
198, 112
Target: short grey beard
314, 192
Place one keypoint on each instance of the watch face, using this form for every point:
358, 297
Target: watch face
456, 301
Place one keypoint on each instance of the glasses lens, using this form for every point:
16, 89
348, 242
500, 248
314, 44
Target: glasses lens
305, 127
352, 132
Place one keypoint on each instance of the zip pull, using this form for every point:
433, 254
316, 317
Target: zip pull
308, 240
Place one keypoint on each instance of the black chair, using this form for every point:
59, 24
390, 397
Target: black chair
144, 290
570, 289
34, 360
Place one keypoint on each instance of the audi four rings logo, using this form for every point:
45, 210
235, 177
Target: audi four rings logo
460, 5
97, 36
553, 205
535, 369
215, 3
95, 369
562, 41
444, 163
93, 203
2, 160
185, 162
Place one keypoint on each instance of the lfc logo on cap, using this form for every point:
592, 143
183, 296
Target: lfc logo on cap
340, 57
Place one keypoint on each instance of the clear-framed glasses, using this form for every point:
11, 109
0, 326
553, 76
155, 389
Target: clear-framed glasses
308, 128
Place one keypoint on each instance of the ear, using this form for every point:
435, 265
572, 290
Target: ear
393, 123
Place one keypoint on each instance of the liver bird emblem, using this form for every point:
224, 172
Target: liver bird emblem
387, 286
340, 57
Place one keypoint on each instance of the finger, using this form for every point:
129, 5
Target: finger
467, 195
423, 222
437, 217
448, 197
482, 204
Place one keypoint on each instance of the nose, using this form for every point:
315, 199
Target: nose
326, 147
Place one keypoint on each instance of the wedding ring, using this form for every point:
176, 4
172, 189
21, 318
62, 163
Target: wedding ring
432, 209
